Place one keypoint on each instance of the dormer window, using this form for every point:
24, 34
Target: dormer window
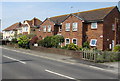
94, 25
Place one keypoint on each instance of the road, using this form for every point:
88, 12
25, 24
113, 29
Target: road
16, 65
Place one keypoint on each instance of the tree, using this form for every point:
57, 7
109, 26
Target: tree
51, 41
23, 41
57, 40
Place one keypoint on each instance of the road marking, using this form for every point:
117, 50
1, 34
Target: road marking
14, 59
59, 74
25, 53
39, 56
96, 67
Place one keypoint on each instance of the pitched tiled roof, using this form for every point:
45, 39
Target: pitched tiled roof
13, 27
34, 22
96, 14
59, 19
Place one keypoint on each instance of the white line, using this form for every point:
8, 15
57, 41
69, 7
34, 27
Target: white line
39, 56
59, 74
96, 67
14, 59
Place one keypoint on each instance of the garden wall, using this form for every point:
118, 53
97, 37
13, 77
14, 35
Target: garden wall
76, 54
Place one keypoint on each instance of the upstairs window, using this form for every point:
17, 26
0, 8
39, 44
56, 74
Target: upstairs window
113, 26
93, 42
44, 28
74, 41
25, 29
74, 26
49, 28
67, 41
67, 26
93, 25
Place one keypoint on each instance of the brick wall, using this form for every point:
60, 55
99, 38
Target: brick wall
94, 34
42, 34
72, 34
109, 34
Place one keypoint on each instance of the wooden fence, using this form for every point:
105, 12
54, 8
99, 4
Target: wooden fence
89, 55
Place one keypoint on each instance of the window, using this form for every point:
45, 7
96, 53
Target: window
67, 26
113, 44
20, 31
44, 28
93, 25
74, 26
49, 28
25, 29
113, 26
67, 41
74, 41
93, 42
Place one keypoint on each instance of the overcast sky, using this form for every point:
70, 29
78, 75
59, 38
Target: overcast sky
13, 12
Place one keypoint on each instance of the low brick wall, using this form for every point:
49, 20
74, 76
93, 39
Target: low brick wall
76, 54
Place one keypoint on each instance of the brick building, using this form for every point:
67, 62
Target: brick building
100, 27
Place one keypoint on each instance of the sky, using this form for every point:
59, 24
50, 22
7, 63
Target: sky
13, 12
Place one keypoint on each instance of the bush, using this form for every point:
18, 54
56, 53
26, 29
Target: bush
117, 48
23, 41
64, 47
72, 47
86, 44
51, 41
57, 40
108, 56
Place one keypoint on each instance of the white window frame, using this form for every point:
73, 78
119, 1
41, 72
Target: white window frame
49, 28
25, 29
65, 41
113, 44
75, 39
95, 42
92, 25
44, 28
74, 26
67, 28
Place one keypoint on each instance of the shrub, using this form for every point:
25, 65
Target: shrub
40, 42
108, 56
57, 40
86, 44
51, 41
23, 41
72, 47
117, 48
64, 47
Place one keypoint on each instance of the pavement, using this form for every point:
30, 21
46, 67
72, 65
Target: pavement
111, 67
